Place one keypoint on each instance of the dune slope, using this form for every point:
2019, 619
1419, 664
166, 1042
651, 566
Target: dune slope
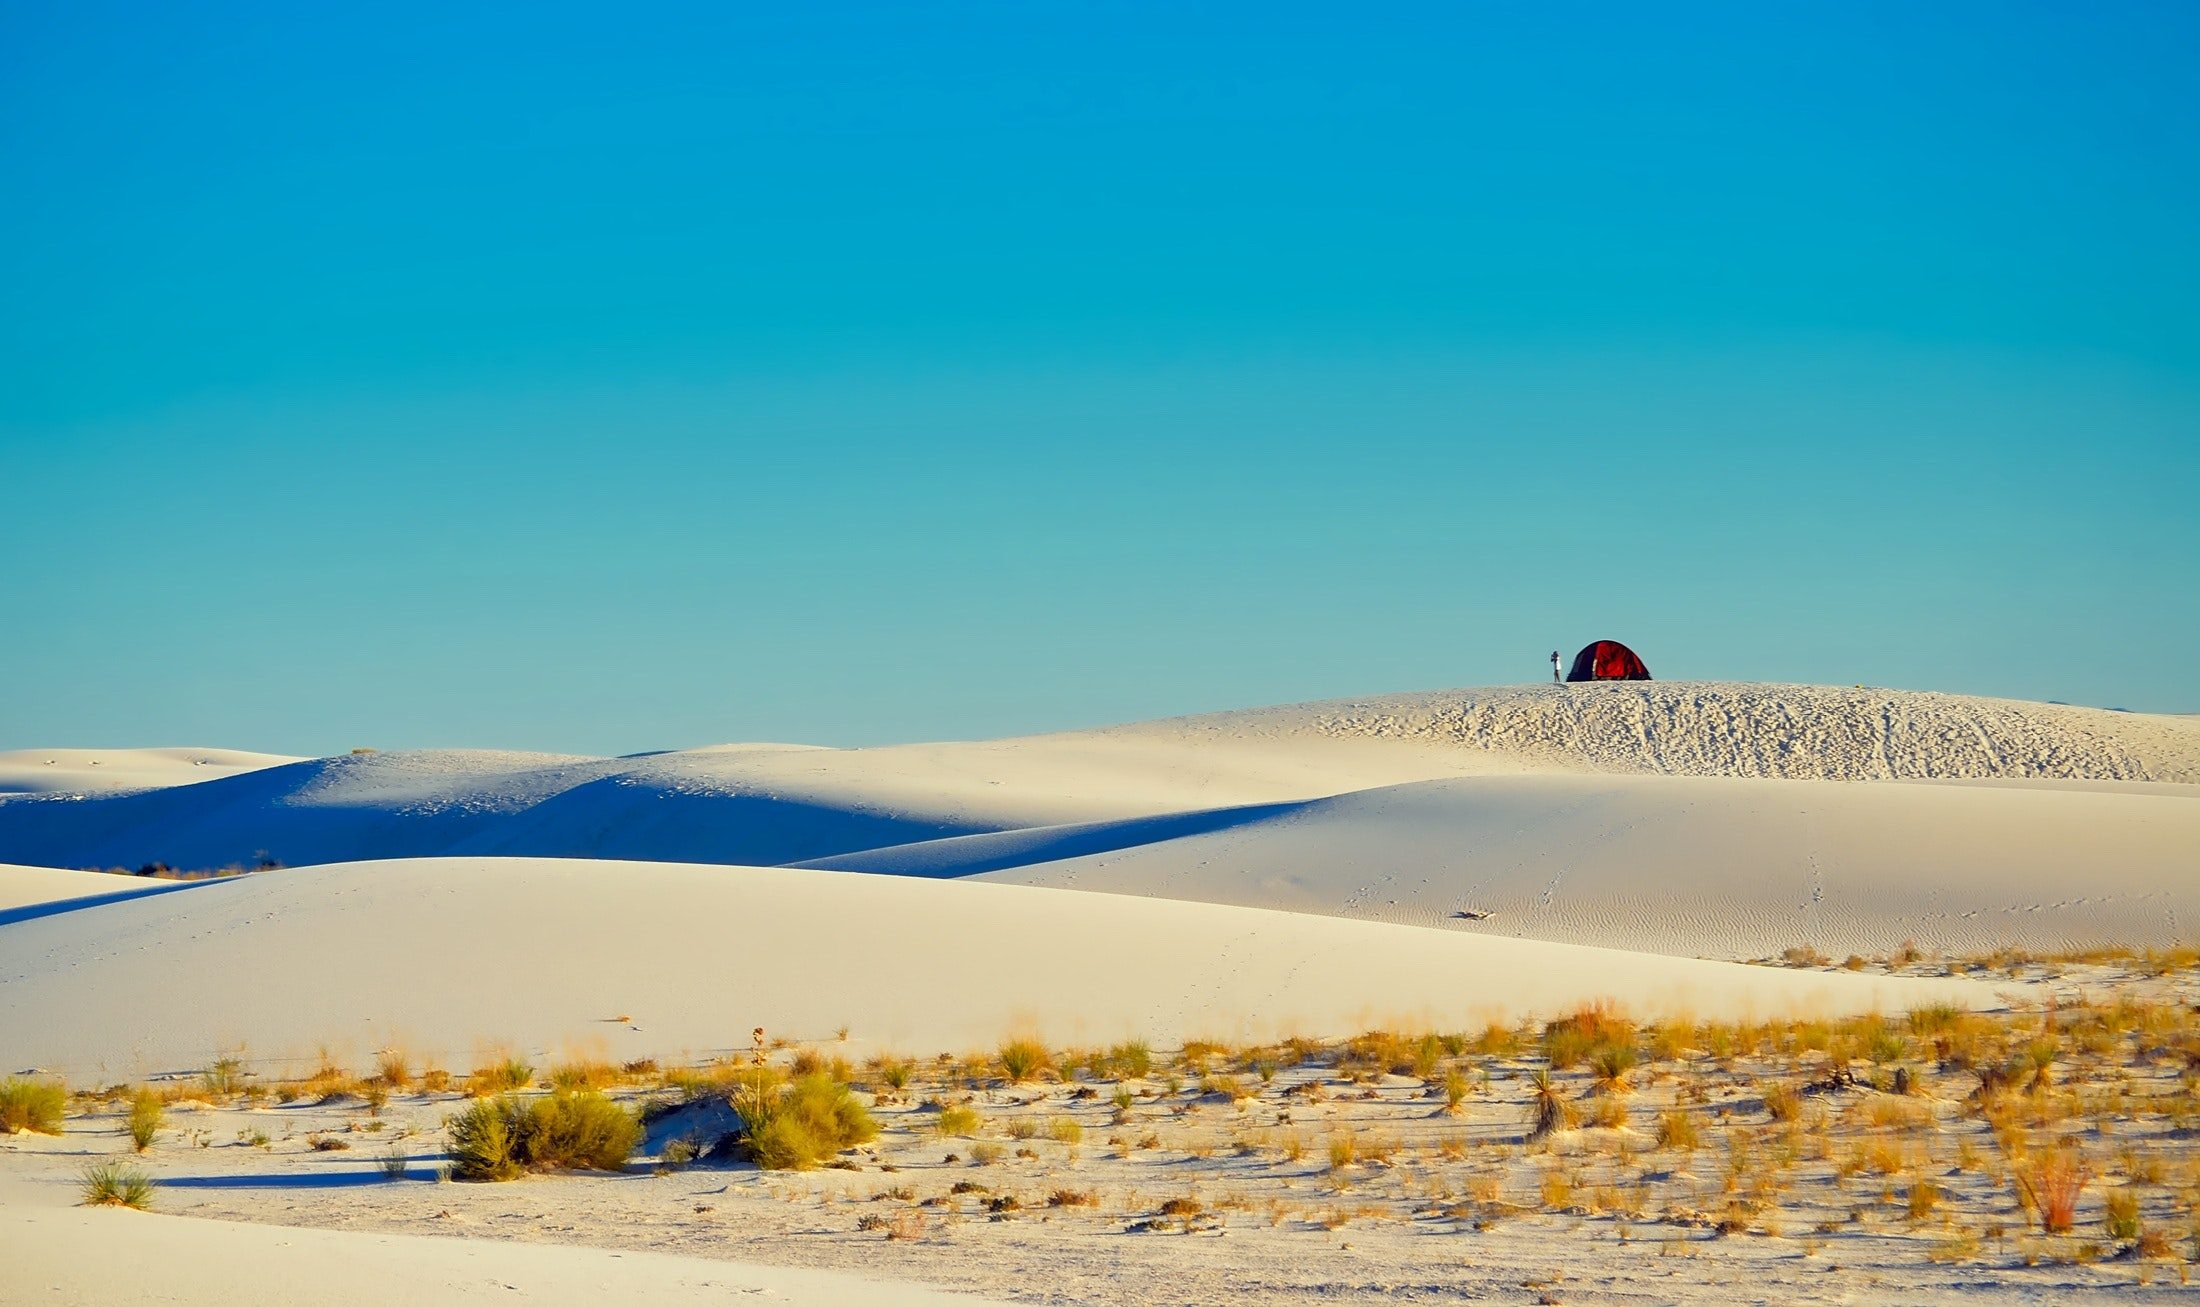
1698, 867
447, 956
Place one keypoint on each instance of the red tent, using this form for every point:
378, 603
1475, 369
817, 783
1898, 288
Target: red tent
1607, 660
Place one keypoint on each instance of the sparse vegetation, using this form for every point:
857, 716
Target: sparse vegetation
33, 1106
145, 1118
502, 1138
1022, 1059
958, 1121
799, 1125
113, 1184
2048, 1186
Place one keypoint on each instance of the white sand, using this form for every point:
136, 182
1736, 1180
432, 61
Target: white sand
50, 771
448, 958
61, 1254
1635, 816
1692, 866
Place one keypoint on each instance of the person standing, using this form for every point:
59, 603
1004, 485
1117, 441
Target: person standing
1554, 668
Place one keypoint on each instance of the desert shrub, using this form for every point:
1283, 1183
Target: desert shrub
1924, 1196
583, 1075
111, 1184
1131, 1060
1072, 1198
394, 1069
1611, 1061
484, 1140
984, 1154
392, 1162
1550, 1109
2122, 1218
1589, 1029
1023, 1127
34, 1105
895, 1072
958, 1121
1934, 1019
224, 1079
1456, 1086
502, 1077
145, 1118
1428, 1055
499, 1138
2048, 1186
1065, 1130
797, 1126
1021, 1059
1556, 1190
1677, 1131
1783, 1102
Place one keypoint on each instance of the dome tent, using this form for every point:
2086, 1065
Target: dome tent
1607, 660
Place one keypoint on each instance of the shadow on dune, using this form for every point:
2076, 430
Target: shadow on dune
969, 855
309, 1180
146, 890
651, 821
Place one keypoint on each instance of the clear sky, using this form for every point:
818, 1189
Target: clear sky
603, 378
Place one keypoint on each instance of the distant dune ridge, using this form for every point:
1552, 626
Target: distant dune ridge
1480, 837
1722, 728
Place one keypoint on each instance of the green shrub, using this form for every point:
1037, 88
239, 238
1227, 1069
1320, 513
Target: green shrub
797, 1126
484, 1143
32, 1105
145, 1119
111, 1184
502, 1137
582, 1131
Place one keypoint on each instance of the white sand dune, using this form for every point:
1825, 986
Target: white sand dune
57, 771
1693, 866
71, 1255
1631, 815
446, 957
770, 805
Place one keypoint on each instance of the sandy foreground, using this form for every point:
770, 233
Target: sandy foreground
1183, 1186
59, 1253
1248, 899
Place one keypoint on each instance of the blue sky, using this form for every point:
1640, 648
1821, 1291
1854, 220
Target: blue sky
556, 377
